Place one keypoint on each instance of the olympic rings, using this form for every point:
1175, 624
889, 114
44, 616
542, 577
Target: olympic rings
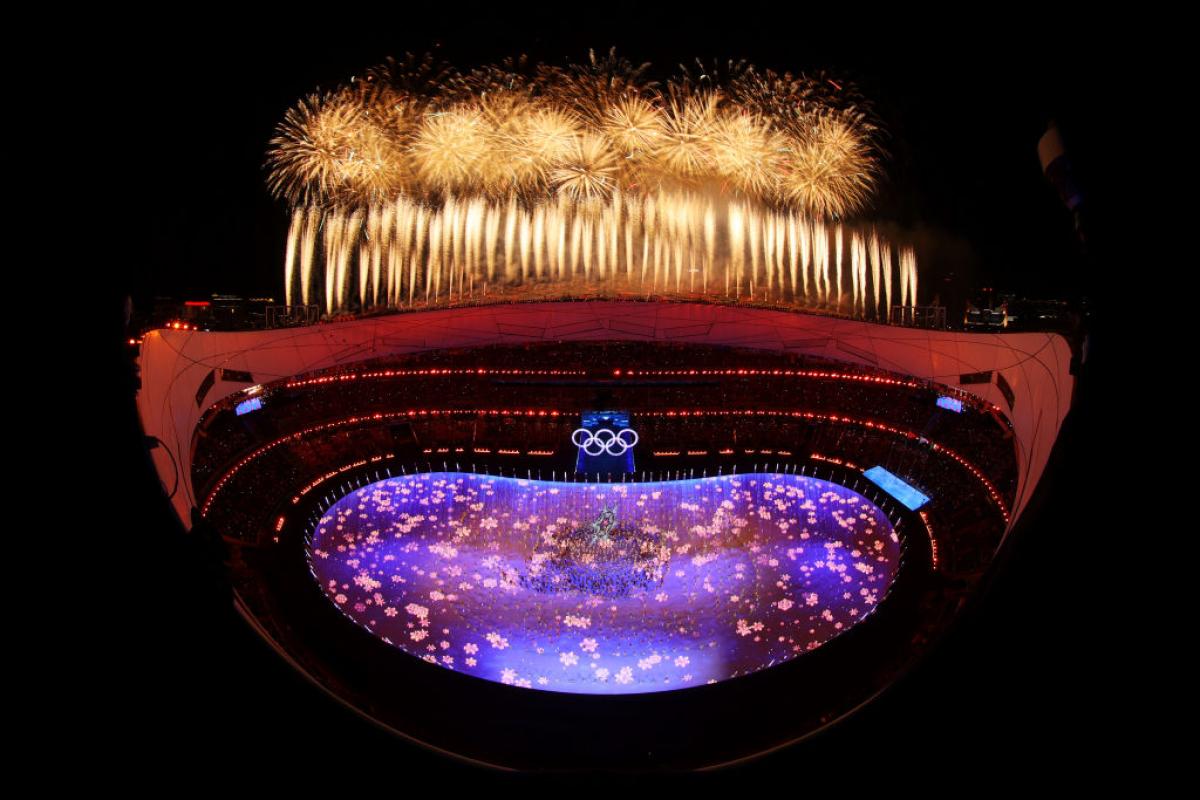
604, 440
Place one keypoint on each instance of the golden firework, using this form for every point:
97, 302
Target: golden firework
450, 149
416, 182
589, 172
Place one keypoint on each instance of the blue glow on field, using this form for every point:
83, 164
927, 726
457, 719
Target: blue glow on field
950, 404
246, 406
897, 488
604, 588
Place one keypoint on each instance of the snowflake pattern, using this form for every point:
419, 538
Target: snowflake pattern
762, 568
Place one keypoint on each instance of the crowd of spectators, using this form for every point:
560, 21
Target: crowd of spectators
570, 378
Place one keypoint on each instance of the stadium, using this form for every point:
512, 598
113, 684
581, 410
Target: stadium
358, 412
622, 469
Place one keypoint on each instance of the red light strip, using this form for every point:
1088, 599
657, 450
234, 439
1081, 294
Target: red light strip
817, 374
993, 493
933, 546
832, 460
960, 394
432, 373
334, 473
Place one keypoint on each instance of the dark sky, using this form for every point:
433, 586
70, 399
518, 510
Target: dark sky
962, 114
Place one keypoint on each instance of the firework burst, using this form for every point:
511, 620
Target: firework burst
415, 181
589, 172
416, 128
450, 149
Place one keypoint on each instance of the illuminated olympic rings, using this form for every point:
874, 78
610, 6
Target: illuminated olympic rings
604, 440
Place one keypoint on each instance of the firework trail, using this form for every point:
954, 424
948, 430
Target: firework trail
420, 184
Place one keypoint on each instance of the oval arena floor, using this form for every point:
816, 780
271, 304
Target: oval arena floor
404, 527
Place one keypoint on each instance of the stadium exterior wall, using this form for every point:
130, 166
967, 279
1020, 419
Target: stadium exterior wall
176, 365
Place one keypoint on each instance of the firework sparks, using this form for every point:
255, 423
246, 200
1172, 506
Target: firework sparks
417, 181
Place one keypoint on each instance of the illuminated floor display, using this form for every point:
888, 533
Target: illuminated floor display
604, 588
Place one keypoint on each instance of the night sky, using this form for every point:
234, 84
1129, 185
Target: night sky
961, 177
196, 105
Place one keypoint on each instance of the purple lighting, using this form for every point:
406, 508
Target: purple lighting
701, 580
246, 406
950, 404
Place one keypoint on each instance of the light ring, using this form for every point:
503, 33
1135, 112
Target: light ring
604, 440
